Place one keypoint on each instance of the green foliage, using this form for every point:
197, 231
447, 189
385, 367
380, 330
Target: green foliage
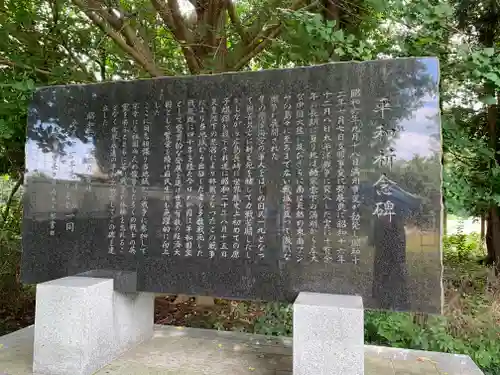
428, 31
15, 298
471, 173
484, 67
10, 233
400, 330
309, 37
276, 320
454, 32
462, 247
322, 40
14, 97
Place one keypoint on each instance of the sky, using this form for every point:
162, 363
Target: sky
417, 139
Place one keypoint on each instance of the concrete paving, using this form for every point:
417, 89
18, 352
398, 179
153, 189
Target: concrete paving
190, 351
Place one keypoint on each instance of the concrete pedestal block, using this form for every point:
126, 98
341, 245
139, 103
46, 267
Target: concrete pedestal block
82, 324
328, 335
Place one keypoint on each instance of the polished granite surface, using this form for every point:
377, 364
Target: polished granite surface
251, 185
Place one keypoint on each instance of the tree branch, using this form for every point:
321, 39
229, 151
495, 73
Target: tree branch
216, 11
165, 15
57, 30
220, 25
178, 29
23, 66
185, 37
263, 17
180, 26
63, 43
331, 11
148, 65
123, 25
257, 46
262, 40
13, 192
102, 64
77, 61
235, 19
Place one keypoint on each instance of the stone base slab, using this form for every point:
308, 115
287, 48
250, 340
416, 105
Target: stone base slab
82, 324
328, 334
191, 351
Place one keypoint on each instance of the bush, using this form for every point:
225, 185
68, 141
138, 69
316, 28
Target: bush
10, 238
401, 331
462, 247
276, 320
16, 299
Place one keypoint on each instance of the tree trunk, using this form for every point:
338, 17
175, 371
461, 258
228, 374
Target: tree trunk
331, 12
493, 238
482, 237
493, 227
487, 38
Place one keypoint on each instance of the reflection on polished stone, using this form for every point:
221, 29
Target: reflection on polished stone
250, 185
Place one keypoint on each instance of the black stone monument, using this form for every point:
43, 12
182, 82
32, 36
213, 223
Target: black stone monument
254, 185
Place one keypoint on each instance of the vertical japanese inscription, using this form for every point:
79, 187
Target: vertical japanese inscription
166, 220
249, 179
313, 122
89, 134
287, 178
190, 140
355, 122
236, 179
70, 201
274, 166
179, 134
53, 190
145, 152
225, 119
75, 188
274, 128
232, 158
261, 176
123, 175
300, 171
327, 152
384, 207
113, 183
212, 179
202, 175
341, 180
134, 179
